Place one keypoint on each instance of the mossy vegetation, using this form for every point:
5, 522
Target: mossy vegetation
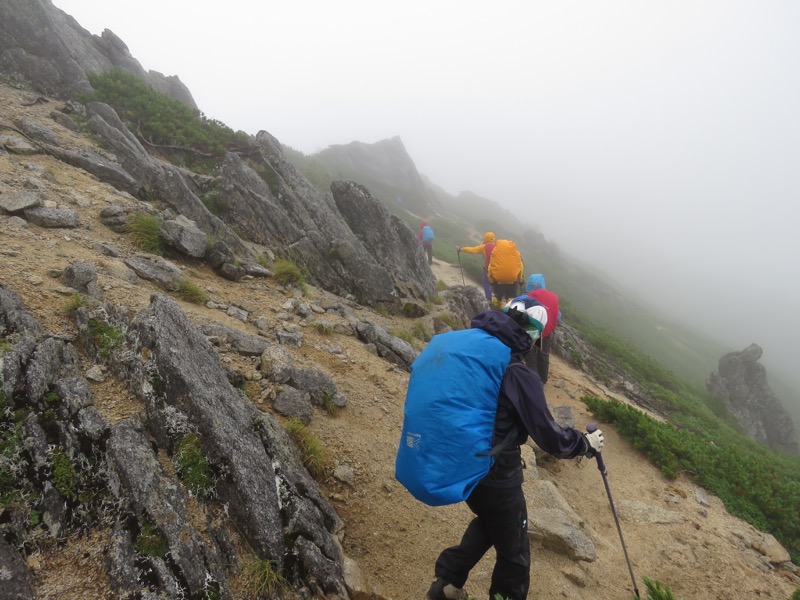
11, 463
194, 467
63, 474
106, 337
314, 455
150, 541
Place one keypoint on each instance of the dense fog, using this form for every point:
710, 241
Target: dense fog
658, 141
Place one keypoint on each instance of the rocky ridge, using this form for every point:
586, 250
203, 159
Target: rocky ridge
262, 352
109, 376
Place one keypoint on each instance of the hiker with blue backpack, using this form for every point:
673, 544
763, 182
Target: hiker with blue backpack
426, 236
471, 402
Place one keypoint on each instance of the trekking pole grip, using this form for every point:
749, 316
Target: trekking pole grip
591, 428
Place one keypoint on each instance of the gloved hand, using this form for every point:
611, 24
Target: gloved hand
594, 443
458, 249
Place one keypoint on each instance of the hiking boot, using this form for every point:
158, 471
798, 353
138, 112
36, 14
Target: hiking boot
441, 590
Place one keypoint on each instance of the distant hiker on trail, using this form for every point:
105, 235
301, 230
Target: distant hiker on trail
539, 358
486, 249
505, 271
449, 375
425, 237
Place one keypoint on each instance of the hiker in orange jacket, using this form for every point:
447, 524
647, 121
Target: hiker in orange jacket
486, 249
506, 272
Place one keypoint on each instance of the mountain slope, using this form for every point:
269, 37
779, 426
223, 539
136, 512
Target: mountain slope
699, 551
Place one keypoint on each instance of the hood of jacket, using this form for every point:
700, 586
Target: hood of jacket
505, 329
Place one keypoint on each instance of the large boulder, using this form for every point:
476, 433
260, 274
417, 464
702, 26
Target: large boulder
741, 383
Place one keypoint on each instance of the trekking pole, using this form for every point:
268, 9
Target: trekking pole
458, 253
601, 465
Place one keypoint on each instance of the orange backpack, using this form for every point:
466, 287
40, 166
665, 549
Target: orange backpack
505, 266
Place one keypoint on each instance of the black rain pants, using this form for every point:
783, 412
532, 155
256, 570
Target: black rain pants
501, 520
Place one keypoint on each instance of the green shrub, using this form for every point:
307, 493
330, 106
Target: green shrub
145, 231
440, 285
261, 579
756, 484
448, 319
406, 336
11, 465
412, 310
73, 303
194, 467
150, 541
325, 329
288, 274
313, 453
181, 133
329, 405
214, 202
63, 474
105, 336
191, 292
655, 591
420, 332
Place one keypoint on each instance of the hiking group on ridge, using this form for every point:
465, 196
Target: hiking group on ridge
474, 397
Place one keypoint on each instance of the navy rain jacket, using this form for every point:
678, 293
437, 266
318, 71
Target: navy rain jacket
521, 408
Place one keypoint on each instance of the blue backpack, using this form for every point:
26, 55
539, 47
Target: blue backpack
427, 234
450, 408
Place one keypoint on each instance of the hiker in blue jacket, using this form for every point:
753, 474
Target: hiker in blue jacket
498, 502
425, 236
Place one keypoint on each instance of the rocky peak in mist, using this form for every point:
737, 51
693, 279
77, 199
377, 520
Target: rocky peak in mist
741, 383
384, 166
44, 47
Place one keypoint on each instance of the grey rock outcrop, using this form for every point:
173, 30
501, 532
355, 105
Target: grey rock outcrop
44, 47
83, 468
263, 201
386, 238
741, 383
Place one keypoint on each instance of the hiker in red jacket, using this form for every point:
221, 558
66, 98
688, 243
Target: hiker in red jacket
538, 359
485, 248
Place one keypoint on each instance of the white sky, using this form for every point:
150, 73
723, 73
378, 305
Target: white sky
658, 140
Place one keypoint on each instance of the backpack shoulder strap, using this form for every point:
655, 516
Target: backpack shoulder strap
507, 441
